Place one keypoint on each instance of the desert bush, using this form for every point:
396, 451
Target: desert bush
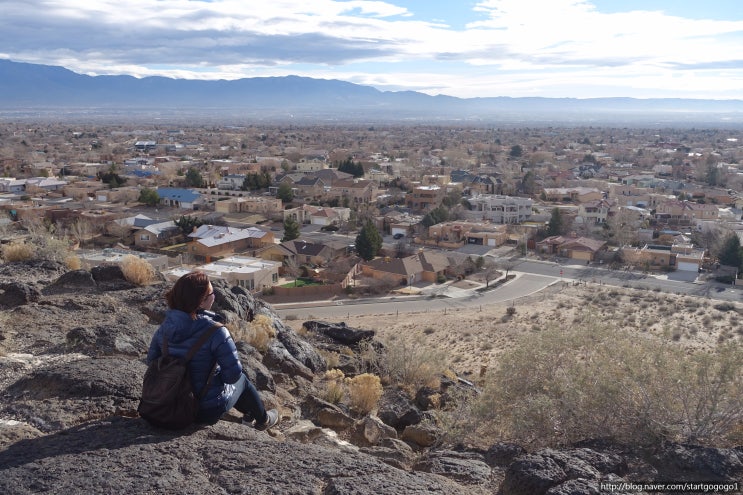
136, 270
261, 332
725, 306
563, 385
73, 262
406, 364
18, 251
364, 392
334, 386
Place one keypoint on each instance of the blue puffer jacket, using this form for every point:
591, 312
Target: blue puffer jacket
182, 333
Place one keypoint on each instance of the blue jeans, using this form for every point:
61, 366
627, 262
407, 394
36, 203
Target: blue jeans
245, 399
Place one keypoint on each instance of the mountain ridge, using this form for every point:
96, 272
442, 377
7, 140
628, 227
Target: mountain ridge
32, 86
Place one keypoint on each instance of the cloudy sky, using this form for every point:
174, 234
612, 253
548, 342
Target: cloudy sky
550, 48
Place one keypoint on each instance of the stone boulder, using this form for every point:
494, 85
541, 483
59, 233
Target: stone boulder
339, 332
14, 294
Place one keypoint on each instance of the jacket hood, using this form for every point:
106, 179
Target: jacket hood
178, 326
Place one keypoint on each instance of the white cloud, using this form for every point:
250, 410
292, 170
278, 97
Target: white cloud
518, 47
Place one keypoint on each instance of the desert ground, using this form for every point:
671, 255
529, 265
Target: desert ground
471, 339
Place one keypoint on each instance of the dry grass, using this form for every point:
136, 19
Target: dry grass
334, 391
136, 270
671, 344
18, 251
257, 333
472, 339
364, 392
73, 262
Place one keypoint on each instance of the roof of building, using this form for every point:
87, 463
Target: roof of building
178, 194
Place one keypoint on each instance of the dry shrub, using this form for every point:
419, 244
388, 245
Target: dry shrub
334, 389
136, 270
364, 392
261, 332
562, 385
73, 262
18, 251
406, 364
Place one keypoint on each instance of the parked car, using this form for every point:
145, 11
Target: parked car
398, 236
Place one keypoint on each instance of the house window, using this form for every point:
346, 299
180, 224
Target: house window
274, 277
144, 237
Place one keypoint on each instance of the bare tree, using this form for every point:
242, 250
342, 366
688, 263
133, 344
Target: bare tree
490, 272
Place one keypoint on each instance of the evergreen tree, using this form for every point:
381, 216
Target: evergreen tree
149, 196
368, 241
285, 193
730, 251
437, 215
193, 178
554, 227
291, 230
187, 224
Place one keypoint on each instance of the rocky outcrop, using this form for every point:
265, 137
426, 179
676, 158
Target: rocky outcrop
72, 347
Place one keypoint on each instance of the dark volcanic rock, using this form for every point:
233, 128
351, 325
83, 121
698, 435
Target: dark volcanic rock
14, 294
339, 332
110, 277
121, 455
75, 281
397, 410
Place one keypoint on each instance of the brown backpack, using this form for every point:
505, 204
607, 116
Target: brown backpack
168, 399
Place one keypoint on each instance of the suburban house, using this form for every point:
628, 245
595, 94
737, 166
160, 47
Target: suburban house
315, 252
577, 248
424, 266
179, 198
36, 185
574, 194
652, 257
499, 209
117, 195
231, 182
318, 215
425, 198
213, 240
156, 234
267, 206
83, 189
250, 273
10, 185
354, 191
593, 212
685, 212
113, 256
458, 233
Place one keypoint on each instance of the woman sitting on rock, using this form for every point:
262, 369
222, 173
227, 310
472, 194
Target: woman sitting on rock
190, 300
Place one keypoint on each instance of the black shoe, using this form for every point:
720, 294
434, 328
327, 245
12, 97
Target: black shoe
272, 419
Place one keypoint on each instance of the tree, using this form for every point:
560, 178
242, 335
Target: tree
554, 227
730, 251
516, 151
291, 229
368, 241
111, 178
193, 178
187, 224
284, 193
149, 196
437, 215
350, 167
490, 272
292, 269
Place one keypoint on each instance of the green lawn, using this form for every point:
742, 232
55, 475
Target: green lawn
301, 282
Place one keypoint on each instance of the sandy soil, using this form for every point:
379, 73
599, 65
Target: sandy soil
473, 338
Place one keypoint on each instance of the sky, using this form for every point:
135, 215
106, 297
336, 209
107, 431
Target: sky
462, 48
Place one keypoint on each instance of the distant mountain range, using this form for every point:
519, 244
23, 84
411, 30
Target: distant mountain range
41, 90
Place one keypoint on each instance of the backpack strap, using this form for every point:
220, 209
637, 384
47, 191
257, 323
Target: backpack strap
200, 343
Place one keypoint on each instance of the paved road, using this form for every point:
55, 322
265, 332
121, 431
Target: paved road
532, 277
